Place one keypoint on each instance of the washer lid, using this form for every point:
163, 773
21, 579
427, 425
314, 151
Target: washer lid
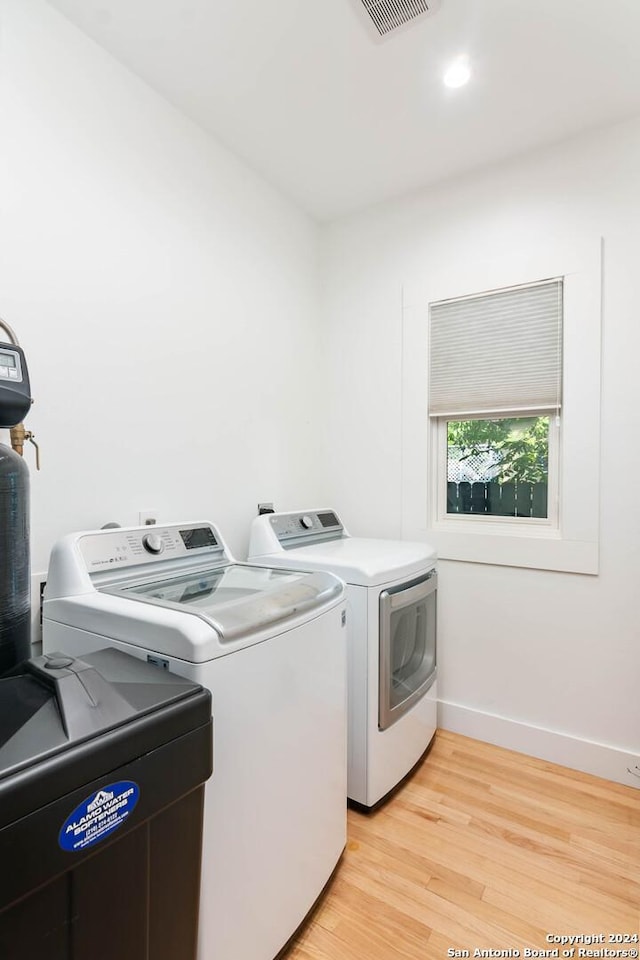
235, 599
361, 561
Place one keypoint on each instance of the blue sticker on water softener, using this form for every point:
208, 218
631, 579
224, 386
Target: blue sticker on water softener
99, 815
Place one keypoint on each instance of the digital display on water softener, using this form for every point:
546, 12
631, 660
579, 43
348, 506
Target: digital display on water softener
15, 392
199, 537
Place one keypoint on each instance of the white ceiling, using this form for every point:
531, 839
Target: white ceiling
337, 121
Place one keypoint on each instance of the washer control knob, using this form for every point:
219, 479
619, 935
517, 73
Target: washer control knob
153, 543
306, 522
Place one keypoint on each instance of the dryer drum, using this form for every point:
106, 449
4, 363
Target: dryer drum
15, 611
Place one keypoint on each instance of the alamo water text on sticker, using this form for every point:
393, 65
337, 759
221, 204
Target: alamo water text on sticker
99, 815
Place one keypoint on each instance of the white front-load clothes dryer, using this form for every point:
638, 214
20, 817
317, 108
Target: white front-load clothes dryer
270, 644
391, 589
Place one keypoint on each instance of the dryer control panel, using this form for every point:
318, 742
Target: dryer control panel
308, 526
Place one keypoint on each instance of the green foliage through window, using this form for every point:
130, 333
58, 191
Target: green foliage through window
516, 447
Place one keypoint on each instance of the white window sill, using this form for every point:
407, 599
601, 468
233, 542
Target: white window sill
539, 548
522, 527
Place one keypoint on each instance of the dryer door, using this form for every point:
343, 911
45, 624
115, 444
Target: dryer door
407, 647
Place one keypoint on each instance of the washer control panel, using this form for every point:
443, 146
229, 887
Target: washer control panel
128, 547
306, 526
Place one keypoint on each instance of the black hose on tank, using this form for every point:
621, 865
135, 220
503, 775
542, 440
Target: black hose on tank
15, 587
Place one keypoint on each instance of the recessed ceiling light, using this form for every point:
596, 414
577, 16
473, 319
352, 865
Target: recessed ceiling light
457, 73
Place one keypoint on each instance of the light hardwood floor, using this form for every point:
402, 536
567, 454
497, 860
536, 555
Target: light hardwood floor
483, 848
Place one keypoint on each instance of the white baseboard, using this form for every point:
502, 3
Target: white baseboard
597, 758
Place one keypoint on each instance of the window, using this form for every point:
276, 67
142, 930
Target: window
509, 264
495, 385
498, 467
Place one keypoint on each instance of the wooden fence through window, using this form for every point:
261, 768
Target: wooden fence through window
498, 499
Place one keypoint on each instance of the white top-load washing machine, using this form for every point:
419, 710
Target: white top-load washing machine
270, 644
392, 638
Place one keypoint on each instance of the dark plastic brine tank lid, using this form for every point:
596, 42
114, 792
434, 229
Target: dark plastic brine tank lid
54, 706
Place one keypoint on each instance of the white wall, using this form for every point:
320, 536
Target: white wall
544, 651
166, 298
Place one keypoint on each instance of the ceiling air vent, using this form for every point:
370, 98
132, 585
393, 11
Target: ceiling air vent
388, 16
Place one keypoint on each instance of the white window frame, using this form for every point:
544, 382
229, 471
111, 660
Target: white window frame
469, 521
572, 544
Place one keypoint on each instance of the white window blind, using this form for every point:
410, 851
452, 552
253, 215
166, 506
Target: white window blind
497, 352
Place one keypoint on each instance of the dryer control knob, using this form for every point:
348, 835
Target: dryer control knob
306, 522
153, 543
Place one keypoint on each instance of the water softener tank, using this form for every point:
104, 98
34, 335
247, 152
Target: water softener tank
15, 609
15, 574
